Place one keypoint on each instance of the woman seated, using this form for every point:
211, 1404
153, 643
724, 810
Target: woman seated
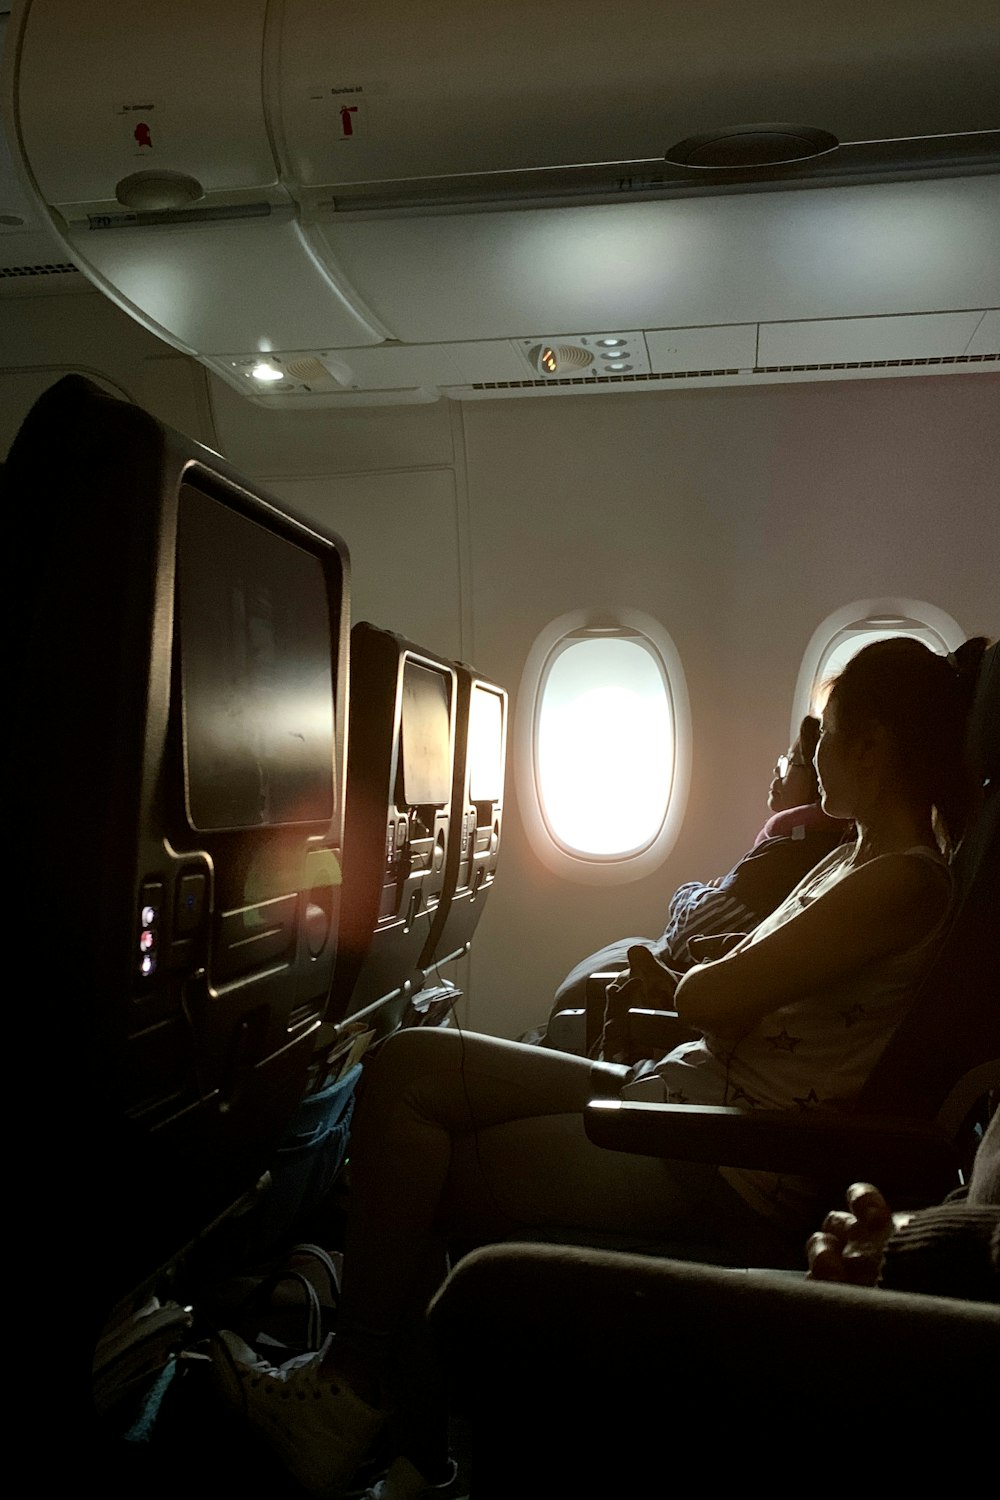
463, 1138
796, 836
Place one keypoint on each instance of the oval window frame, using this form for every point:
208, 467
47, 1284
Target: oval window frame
865, 614
599, 869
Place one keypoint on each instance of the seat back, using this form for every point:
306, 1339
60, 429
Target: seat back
185, 685
400, 769
476, 816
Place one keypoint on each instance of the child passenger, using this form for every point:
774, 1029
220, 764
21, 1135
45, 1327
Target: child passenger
464, 1138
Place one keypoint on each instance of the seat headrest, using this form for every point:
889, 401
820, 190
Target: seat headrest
984, 720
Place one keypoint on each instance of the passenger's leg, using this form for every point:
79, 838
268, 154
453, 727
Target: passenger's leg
481, 1138
424, 1091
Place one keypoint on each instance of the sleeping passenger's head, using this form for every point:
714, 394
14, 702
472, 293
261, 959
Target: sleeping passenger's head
794, 783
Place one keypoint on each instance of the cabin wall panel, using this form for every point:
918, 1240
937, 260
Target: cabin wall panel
403, 537
322, 441
43, 338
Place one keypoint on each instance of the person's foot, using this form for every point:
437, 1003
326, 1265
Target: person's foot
405, 1482
317, 1427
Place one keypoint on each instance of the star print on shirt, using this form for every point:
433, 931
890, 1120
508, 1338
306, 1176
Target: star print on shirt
810, 1101
783, 1042
742, 1094
850, 1017
774, 1191
675, 1096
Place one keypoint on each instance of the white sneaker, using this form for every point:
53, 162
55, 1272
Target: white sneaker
405, 1482
319, 1430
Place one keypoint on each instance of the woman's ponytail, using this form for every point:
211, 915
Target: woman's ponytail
961, 784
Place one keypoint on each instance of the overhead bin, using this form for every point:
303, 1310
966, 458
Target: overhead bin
278, 186
145, 133
734, 259
139, 88
391, 92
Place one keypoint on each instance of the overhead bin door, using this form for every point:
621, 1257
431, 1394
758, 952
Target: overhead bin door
389, 91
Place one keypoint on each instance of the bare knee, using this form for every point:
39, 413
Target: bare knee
405, 1055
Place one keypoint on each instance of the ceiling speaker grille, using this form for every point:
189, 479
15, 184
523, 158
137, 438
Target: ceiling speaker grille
854, 364
307, 369
47, 268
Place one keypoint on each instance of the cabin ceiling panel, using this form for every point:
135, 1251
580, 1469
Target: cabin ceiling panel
301, 443
392, 366
733, 346
915, 337
986, 339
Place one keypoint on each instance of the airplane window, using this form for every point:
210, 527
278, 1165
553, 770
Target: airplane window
844, 633
605, 746
602, 747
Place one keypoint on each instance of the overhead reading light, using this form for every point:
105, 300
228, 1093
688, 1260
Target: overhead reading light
550, 359
585, 355
749, 146
266, 372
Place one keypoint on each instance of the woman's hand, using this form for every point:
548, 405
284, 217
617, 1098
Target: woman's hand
849, 1245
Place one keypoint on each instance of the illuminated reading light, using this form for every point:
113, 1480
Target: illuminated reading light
605, 747
611, 343
266, 372
548, 361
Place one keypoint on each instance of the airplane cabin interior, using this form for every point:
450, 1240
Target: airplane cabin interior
461, 459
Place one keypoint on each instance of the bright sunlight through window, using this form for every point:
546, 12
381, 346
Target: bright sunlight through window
605, 747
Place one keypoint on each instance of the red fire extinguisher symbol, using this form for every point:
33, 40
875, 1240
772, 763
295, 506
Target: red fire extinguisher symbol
142, 135
346, 123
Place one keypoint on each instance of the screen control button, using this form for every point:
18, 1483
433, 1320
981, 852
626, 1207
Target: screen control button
189, 903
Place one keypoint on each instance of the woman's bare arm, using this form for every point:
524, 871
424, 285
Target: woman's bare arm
883, 907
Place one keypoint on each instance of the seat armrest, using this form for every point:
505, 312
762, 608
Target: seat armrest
597, 983
651, 1032
654, 1032
912, 1162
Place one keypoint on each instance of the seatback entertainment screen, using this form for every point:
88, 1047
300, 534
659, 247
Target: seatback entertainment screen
426, 736
486, 746
256, 676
